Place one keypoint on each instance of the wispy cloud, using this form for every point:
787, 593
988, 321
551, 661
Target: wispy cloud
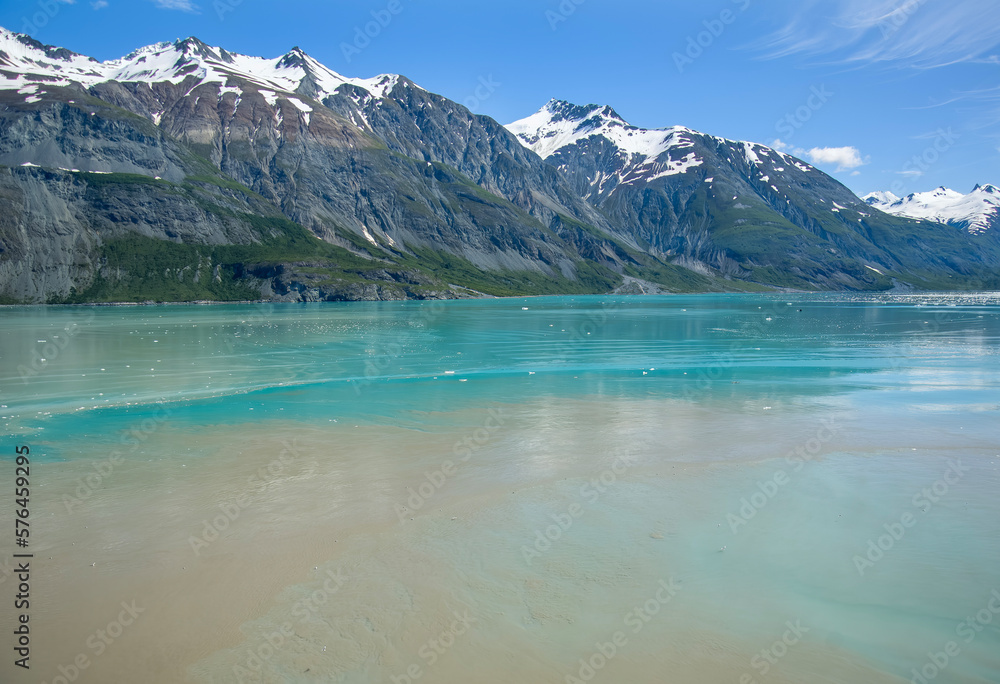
915, 33
978, 108
99, 4
182, 5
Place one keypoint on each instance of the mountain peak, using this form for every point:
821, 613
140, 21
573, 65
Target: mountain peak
561, 110
637, 155
296, 57
26, 62
560, 123
878, 198
16, 45
976, 212
193, 47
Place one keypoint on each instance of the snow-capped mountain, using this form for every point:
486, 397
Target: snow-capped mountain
880, 197
638, 155
977, 212
645, 154
682, 192
379, 167
184, 170
27, 65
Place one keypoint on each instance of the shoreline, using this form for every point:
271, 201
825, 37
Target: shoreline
776, 291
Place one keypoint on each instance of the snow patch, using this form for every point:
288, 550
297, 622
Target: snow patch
673, 168
560, 124
301, 106
975, 211
28, 66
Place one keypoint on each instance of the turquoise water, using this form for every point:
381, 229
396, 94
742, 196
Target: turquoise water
692, 408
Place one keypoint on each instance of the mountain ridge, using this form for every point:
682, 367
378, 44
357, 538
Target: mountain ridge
976, 212
339, 188
718, 203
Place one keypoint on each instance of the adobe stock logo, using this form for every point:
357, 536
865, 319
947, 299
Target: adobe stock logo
923, 501
698, 43
635, 620
364, 35
794, 121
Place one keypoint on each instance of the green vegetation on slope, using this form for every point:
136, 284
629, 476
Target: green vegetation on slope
592, 278
139, 268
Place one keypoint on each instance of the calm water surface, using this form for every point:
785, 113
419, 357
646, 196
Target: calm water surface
717, 488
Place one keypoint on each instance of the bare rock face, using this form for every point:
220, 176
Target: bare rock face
739, 208
184, 171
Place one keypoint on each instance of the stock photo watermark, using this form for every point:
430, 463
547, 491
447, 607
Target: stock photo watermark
436, 480
47, 11
436, 647
365, 34
377, 364
698, 43
224, 7
46, 352
635, 620
232, 510
787, 126
255, 657
897, 19
590, 492
582, 333
768, 488
562, 12
706, 377
765, 659
967, 630
897, 528
483, 91
943, 141
98, 643
135, 437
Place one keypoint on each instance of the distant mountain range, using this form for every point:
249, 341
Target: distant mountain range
977, 212
184, 171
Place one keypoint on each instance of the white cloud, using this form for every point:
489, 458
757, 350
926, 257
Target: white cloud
918, 33
99, 4
844, 157
182, 5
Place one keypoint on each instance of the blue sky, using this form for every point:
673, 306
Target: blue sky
897, 94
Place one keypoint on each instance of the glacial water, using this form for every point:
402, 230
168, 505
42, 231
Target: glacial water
714, 488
